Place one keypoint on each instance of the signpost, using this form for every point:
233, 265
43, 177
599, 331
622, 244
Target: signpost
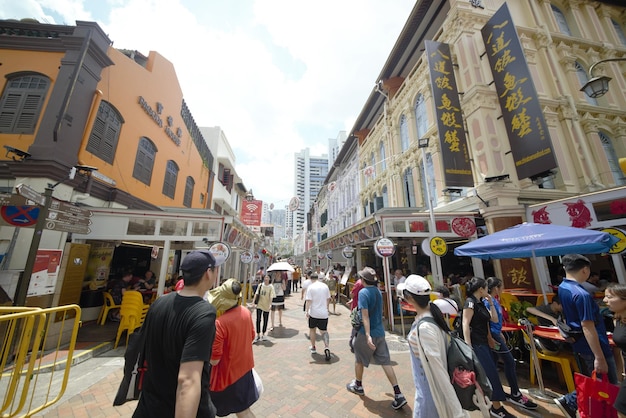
31, 194
13, 200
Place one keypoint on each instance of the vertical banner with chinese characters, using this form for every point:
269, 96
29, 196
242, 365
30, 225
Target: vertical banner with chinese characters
528, 134
456, 161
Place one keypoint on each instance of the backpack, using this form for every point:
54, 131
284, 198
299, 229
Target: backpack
467, 375
356, 319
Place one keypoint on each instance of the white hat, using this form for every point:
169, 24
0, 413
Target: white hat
415, 284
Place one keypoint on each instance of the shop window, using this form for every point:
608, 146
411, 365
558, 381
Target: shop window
144, 161
421, 116
173, 228
404, 133
105, 133
189, 185
169, 183
21, 103
141, 226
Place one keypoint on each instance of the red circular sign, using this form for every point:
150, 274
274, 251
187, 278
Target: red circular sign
20, 215
463, 227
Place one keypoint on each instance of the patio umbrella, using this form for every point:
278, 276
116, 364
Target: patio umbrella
280, 266
538, 240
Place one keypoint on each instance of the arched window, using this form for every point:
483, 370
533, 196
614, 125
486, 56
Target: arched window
582, 78
21, 103
383, 159
385, 197
171, 175
144, 161
188, 198
373, 164
105, 133
620, 32
404, 133
409, 189
421, 116
428, 180
560, 20
611, 156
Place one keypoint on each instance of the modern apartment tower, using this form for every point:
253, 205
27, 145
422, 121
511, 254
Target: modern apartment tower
310, 173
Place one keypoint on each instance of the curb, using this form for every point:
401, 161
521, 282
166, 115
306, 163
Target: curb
78, 357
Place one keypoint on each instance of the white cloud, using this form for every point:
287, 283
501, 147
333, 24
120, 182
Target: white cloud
235, 75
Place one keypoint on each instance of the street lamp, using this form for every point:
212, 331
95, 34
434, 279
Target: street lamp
598, 86
249, 196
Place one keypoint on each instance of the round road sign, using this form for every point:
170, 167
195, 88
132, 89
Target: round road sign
20, 215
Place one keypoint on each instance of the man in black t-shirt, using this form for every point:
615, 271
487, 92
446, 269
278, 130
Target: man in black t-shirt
179, 331
547, 315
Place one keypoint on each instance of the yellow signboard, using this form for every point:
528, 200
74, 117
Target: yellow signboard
619, 245
438, 246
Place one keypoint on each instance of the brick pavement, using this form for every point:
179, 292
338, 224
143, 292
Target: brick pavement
298, 384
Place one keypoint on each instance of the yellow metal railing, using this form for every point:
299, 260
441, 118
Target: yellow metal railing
37, 346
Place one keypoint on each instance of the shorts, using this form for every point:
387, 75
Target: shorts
278, 303
237, 397
363, 353
620, 402
321, 324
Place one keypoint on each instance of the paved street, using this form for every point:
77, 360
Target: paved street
297, 384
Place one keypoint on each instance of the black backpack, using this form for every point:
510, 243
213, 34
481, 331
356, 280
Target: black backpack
467, 375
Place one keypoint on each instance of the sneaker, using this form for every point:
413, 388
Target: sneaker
256, 339
565, 408
263, 338
501, 413
522, 401
399, 401
352, 387
312, 350
327, 354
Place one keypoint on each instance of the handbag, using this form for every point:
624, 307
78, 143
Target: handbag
256, 296
135, 367
595, 397
258, 382
569, 334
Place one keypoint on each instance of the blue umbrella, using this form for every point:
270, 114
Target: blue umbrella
538, 240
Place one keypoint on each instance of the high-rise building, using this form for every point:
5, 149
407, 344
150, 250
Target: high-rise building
310, 173
335, 145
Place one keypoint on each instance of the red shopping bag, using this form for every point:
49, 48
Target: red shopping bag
595, 397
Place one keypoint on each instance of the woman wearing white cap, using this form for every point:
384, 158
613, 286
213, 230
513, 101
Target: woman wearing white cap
434, 394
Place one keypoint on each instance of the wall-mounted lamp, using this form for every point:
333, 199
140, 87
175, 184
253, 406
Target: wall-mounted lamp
249, 196
423, 142
17, 154
474, 193
497, 178
598, 86
540, 178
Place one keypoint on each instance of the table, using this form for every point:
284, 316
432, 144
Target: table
552, 333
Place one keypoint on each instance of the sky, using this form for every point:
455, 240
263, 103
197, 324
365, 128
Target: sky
277, 76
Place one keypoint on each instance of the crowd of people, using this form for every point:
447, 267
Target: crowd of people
194, 381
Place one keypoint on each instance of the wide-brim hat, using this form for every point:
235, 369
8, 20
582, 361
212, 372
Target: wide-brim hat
223, 297
368, 274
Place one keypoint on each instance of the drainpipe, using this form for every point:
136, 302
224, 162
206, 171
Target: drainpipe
70, 90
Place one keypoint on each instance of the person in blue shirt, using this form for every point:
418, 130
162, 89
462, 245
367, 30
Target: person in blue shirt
580, 312
498, 346
370, 340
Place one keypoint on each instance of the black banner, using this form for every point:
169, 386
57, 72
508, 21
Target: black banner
528, 134
456, 161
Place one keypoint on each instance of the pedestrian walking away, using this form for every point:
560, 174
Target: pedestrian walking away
233, 390
316, 311
179, 332
370, 341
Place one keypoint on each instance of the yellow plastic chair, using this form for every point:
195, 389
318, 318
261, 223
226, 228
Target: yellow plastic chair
566, 362
132, 313
506, 299
109, 304
540, 299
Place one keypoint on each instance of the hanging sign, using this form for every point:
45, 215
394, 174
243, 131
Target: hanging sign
438, 246
384, 247
348, 252
221, 251
246, 257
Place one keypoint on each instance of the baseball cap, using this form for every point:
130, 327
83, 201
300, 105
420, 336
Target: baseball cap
368, 274
197, 262
416, 285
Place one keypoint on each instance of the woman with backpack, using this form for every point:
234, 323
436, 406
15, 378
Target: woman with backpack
476, 319
434, 394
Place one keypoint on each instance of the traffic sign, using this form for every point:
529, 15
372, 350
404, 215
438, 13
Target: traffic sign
67, 218
67, 207
20, 215
30, 193
13, 200
67, 227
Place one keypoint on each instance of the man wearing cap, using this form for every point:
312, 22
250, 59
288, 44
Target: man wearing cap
233, 390
179, 331
370, 341
316, 311
592, 350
